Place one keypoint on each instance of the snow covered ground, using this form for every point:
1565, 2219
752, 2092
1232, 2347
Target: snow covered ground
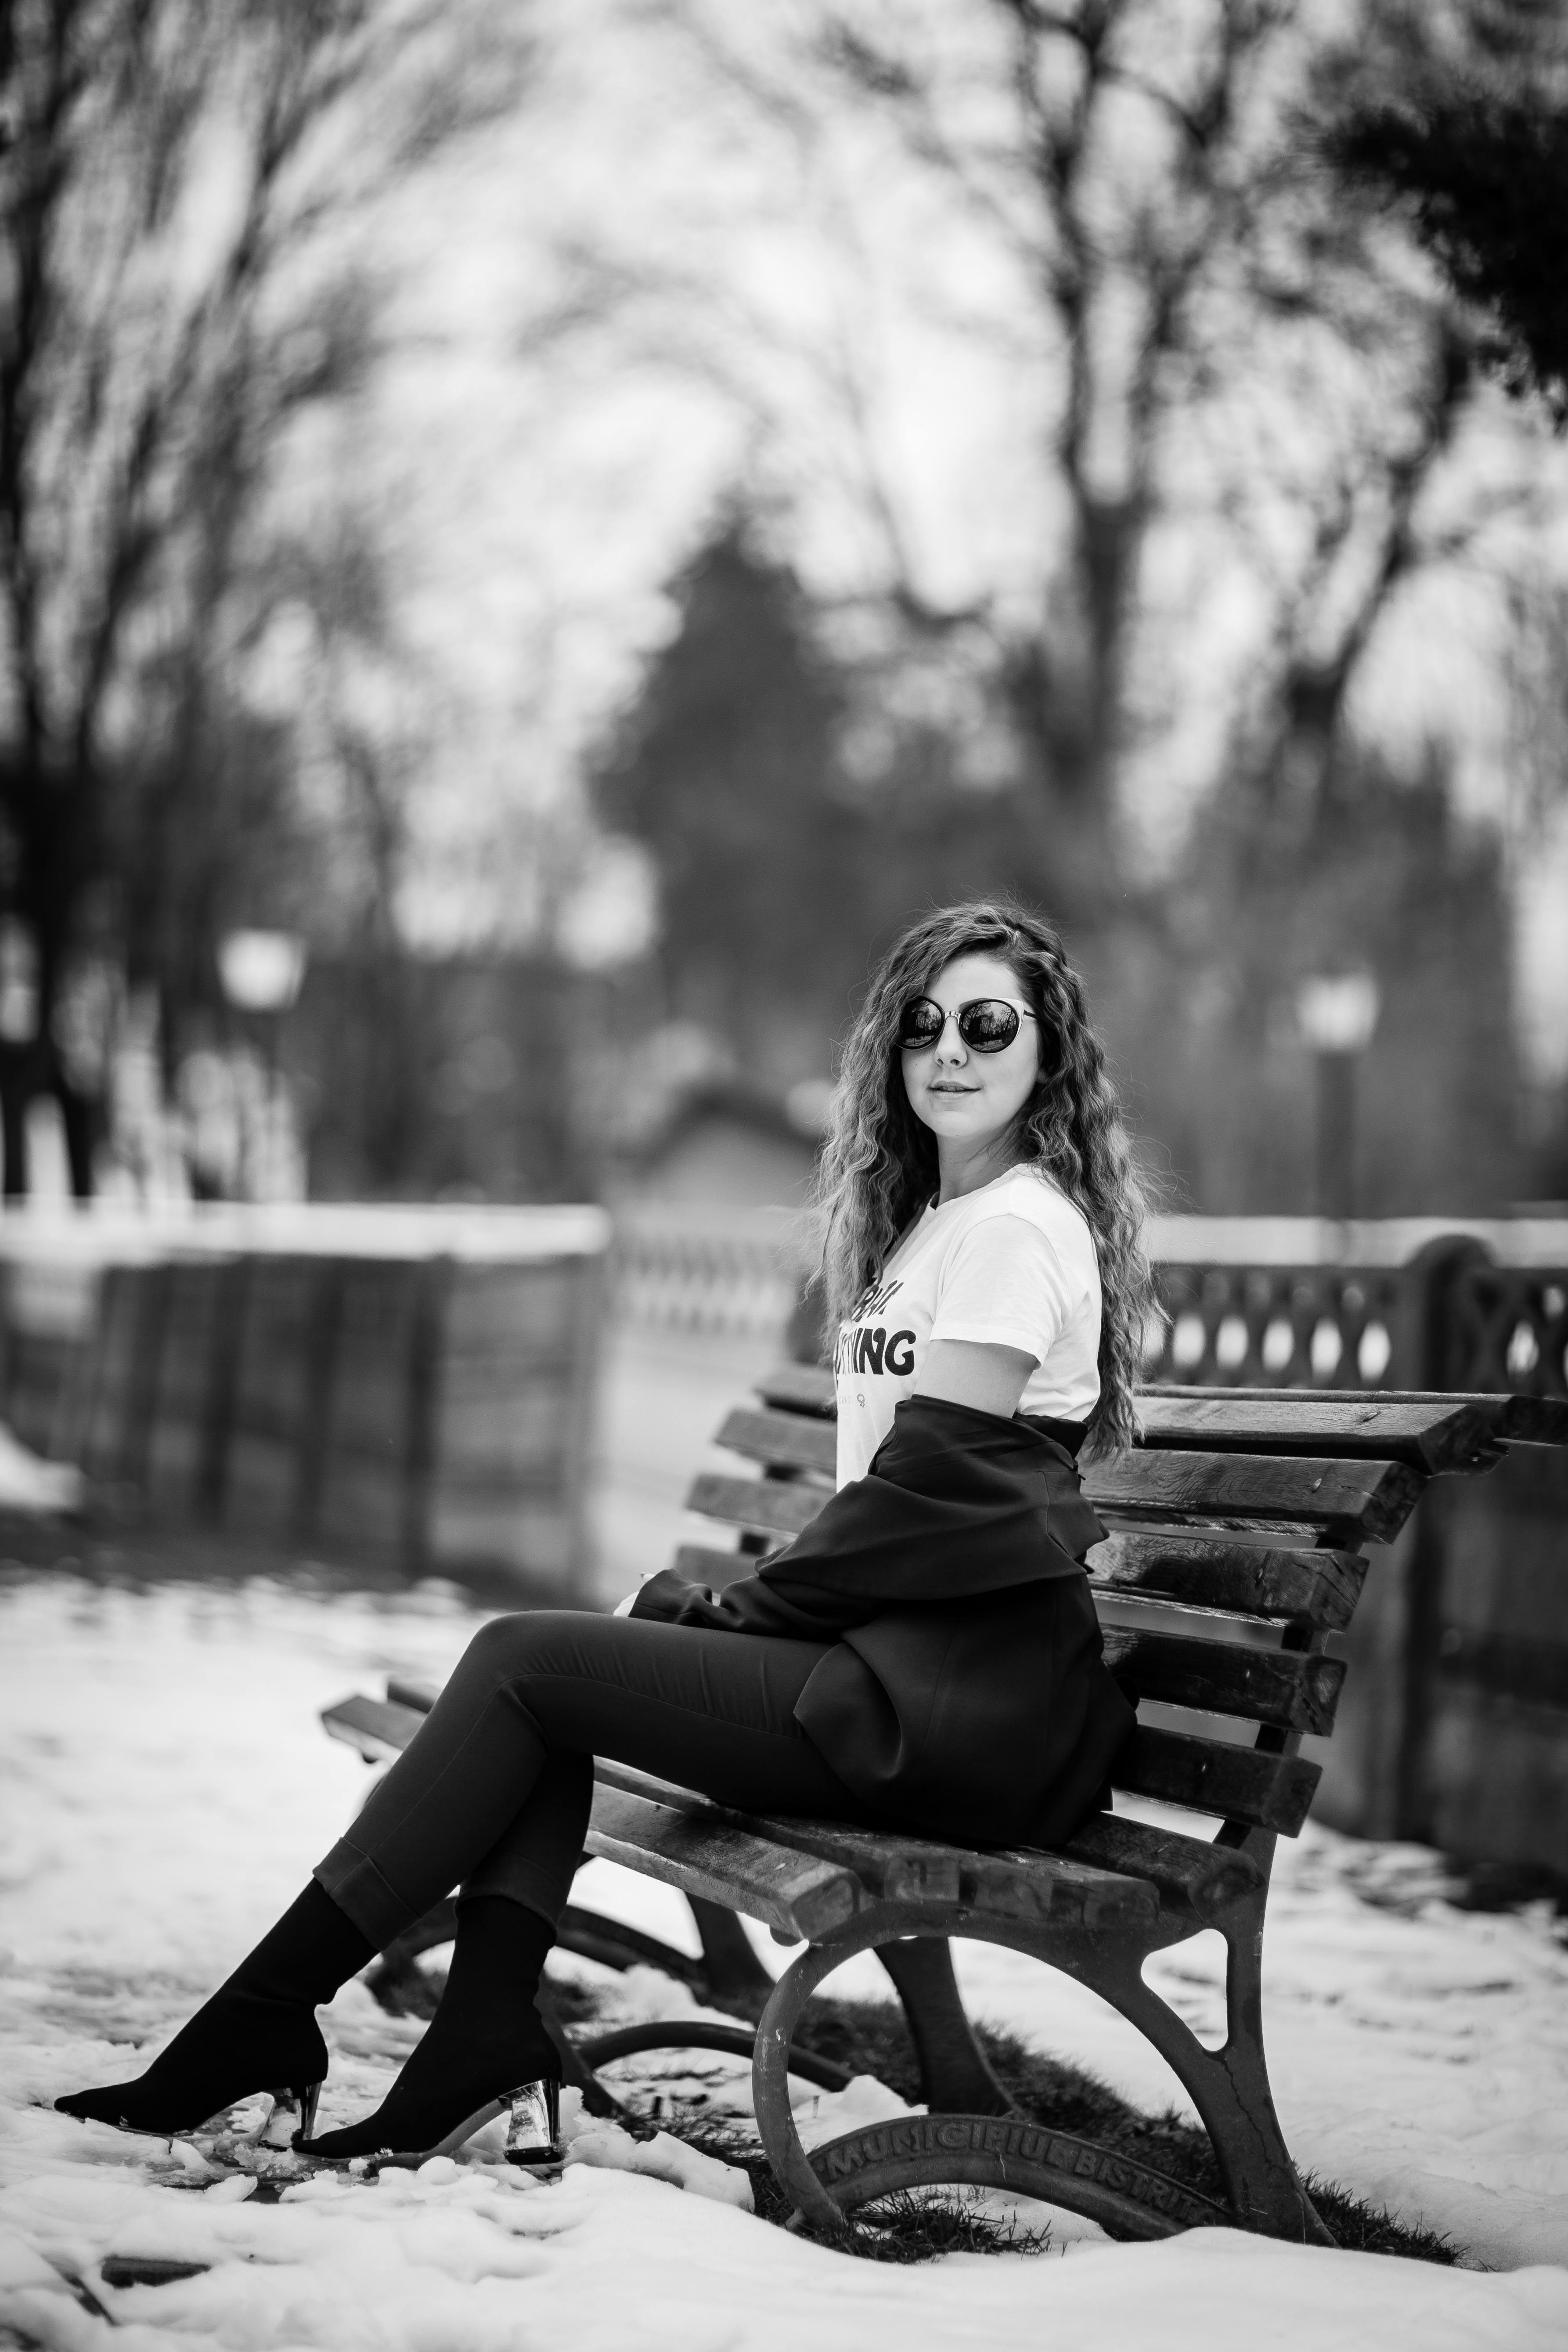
166, 1787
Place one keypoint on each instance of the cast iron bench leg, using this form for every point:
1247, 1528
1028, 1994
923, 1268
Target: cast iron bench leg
730, 1966
955, 2076
1129, 2200
1229, 2086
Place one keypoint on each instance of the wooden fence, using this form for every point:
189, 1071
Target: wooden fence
413, 1412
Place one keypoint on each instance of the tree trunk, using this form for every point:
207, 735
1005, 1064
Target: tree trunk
19, 1085
81, 1118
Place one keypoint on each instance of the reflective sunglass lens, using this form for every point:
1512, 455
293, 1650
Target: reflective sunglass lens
987, 1026
920, 1023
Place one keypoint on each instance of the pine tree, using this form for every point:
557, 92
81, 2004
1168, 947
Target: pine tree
1476, 151
726, 769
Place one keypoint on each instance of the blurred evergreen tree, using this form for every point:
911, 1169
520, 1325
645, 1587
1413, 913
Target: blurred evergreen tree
725, 769
1473, 144
786, 859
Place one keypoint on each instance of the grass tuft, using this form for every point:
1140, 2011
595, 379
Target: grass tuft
920, 2227
1364, 2229
870, 2037
908, 2227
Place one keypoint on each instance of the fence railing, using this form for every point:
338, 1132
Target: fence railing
1507, 1329
735, 1273
1450, 1318
1249, 1302
1280, 1327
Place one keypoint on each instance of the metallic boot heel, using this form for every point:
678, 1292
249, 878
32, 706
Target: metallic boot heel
293, 2116
533, 2133
533, 2128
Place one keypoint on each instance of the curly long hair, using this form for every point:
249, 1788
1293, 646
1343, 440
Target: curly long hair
878, 1164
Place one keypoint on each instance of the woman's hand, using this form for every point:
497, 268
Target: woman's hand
968, 1371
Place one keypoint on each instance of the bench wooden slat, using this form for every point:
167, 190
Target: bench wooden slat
1193, 1876
1290, 1689
1299, 1693
798, 1876
1350, 1502
718, 1569
792, 1441
1347, 1502
786, 1440
378, 1727
774, 1506
1509, 1419
1271, 1587
892, 1866
803, 1877
800, 1387
1213, 1776
1309, 1588
1315, 1588
1523, 1420
799, 1894
1428, 1436
420, 1696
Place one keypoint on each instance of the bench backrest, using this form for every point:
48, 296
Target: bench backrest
1236, 1546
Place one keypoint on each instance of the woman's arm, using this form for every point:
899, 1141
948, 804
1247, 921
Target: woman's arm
950, 1507
986, 1377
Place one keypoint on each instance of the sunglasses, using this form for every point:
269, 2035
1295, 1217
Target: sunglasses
987, 1025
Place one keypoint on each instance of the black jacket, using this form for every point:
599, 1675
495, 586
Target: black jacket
964, 1693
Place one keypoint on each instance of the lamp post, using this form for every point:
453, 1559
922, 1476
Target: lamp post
1337, 1015
261, 973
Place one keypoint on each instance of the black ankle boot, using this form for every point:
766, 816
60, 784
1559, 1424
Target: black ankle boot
486, 2050
257, 2033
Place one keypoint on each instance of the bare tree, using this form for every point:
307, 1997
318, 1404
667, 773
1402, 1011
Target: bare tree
1220, 349
177, 282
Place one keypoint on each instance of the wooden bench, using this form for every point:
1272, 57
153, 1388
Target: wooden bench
1237, 1542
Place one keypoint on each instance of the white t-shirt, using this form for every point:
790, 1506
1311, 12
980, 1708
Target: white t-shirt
1013, 1264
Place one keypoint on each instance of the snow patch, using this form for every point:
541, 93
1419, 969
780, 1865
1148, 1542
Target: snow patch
167, 1788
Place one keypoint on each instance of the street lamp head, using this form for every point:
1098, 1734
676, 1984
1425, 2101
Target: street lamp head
1337, 1012
261, 972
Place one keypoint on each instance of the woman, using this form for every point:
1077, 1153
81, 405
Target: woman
925, 1656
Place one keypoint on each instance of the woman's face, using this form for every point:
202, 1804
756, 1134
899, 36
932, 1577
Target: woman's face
967, 1098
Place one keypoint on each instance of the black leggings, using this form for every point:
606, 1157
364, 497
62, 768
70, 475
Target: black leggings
492, 1793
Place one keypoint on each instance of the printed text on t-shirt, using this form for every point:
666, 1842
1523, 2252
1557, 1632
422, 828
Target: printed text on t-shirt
862, 1348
